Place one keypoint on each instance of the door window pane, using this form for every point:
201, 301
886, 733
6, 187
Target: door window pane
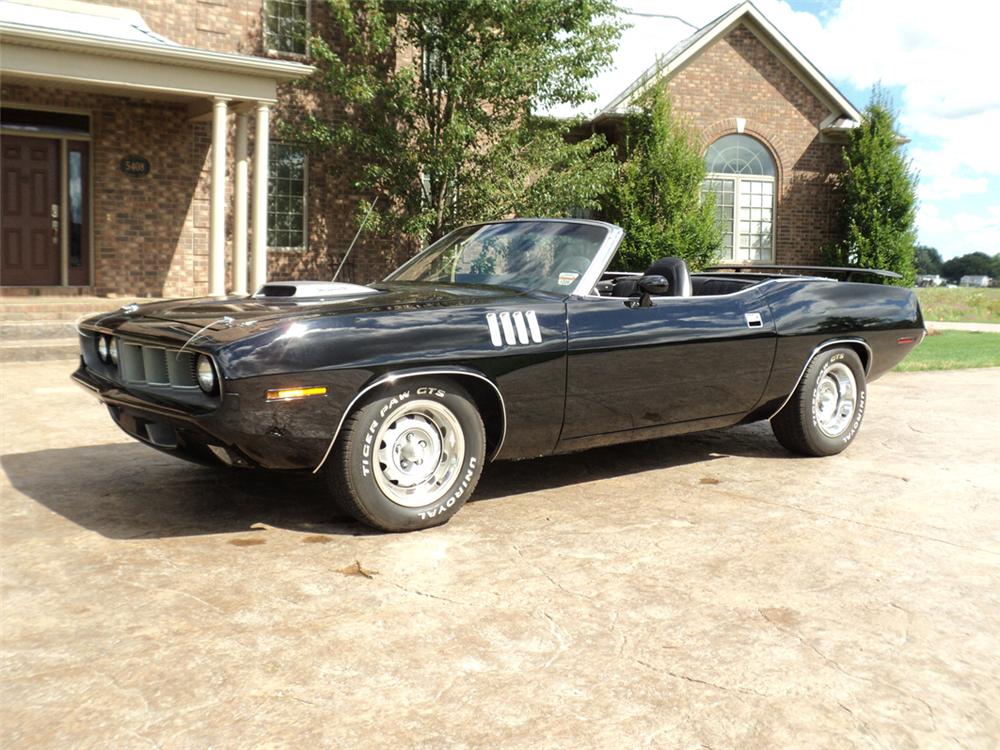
722, 192
755, 219
75, 174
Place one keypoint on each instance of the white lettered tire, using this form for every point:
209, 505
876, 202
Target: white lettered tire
410, 457
824, 414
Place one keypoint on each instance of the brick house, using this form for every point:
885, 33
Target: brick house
131, 131
772, 128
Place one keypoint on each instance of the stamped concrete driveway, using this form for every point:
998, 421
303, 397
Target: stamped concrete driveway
707, 591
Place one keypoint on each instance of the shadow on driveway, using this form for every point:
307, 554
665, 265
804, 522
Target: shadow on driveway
128, 491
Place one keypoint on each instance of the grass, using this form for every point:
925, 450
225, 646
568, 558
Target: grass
962, 305
954, 350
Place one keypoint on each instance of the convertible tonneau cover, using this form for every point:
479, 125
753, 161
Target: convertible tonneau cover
848, 273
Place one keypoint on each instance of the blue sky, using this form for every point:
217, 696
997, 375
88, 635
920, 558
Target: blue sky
939, 61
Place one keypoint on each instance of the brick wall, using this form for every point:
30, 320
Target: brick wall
236, 26
150, 233
738, 76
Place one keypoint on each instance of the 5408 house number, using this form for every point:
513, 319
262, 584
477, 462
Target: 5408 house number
136, 166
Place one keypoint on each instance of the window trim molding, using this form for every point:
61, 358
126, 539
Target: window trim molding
304, 247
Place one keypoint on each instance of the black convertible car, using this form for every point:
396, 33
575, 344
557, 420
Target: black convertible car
502, 340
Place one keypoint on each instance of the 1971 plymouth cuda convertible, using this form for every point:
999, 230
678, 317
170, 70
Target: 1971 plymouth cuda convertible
502, 340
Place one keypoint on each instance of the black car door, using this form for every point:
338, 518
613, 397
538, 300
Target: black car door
681, 359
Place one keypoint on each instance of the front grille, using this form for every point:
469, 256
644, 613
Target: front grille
155, 365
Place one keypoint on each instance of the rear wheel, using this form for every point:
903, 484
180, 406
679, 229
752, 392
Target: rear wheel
824, 414
410, 457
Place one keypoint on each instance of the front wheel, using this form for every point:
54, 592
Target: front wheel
410, 457
824, 414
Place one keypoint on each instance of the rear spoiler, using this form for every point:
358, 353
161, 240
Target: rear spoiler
846, 273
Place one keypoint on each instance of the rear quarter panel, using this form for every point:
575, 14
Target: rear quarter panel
808, 313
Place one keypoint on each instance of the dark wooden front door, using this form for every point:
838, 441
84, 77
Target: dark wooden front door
30, 246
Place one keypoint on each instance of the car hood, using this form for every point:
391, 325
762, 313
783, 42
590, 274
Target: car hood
256, 312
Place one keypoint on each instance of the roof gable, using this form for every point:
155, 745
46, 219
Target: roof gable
843, 114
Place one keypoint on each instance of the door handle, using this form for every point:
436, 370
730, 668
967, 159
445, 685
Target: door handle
753, 320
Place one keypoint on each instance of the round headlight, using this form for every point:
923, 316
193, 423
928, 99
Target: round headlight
113, 351
206, 374
102, 347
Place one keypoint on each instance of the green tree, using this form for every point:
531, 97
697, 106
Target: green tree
971, 264
877, 192
440, 96
658, 194
927, 260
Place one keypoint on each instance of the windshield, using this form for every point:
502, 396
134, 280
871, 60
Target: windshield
548, 256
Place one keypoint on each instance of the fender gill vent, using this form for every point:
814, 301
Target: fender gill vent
513, 329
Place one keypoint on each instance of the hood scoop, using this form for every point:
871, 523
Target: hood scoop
311, 290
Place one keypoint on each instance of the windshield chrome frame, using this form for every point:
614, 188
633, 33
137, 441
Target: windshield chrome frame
601, 260
587, 281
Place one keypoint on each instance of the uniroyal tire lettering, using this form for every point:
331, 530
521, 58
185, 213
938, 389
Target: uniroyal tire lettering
454, 497
856, 424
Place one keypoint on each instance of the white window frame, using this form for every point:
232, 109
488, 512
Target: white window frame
305, 204
738, 180
269, 37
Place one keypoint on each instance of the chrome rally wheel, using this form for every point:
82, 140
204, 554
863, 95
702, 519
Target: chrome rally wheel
420, 449
410, 456
834, 400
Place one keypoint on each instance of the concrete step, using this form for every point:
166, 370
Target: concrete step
40, 350
32, 330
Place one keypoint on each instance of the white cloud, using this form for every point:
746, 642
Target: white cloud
968, 232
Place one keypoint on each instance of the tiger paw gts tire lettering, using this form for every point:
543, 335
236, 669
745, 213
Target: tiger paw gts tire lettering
410, 457
824, 414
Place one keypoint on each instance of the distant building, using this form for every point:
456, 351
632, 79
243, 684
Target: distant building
975, 281
930, 280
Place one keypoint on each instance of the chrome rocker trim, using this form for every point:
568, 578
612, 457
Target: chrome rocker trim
393, 377
817, 350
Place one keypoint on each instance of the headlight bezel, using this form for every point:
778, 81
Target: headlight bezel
212, 386
113, 354
102, 348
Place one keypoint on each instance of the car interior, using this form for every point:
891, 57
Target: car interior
680, 282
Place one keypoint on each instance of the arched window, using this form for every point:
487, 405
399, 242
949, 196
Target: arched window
740, 177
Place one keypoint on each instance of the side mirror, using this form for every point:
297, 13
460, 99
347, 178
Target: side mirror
656, 286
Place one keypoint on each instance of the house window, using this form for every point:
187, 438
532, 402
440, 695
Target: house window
286, 197
286, 25
434, 67
740, 176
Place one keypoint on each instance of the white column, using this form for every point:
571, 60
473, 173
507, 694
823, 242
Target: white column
217, 206
240, 208
258, 254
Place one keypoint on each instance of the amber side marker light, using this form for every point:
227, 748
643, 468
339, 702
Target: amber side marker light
286, 394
